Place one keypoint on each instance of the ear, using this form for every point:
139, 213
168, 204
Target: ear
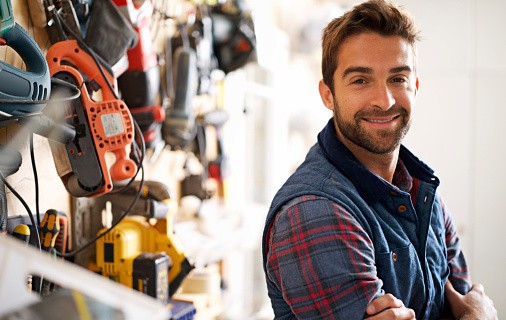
326, 95
417, 83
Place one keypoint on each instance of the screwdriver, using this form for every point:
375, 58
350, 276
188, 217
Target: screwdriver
49, 229
22, 232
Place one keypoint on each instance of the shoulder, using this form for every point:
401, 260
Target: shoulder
313, 212
315, 176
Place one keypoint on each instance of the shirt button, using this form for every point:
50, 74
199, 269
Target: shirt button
394, 256
402, 208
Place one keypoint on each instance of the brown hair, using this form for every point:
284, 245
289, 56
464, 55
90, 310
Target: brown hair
377, 16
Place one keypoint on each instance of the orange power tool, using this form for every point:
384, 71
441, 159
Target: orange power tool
103, 127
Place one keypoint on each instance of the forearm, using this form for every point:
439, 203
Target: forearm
323, 269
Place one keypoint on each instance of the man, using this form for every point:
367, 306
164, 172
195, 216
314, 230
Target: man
359, 229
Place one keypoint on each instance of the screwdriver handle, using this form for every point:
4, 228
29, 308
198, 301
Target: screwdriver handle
22, 232
61, 240
49, 229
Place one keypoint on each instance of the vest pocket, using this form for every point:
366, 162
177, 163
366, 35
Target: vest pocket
402, 276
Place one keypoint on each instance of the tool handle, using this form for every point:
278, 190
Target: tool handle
49, 229
61, 239
186, 82
34, 84
22, 232
69, 50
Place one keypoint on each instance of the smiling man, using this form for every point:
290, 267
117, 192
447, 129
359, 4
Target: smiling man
359, 230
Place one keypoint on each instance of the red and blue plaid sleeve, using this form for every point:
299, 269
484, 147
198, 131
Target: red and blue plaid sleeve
459, 275
322, 260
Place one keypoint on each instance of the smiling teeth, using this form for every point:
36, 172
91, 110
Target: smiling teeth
380, 121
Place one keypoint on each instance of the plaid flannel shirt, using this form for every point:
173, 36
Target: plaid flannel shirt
328, 255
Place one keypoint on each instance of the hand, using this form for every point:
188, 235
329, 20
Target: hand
388, 307
475, 305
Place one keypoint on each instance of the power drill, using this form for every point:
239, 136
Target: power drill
10, 161
137, 244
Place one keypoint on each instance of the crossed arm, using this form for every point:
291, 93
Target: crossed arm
475, 305
323, 284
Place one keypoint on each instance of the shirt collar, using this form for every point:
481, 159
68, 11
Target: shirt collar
402, 179
371, 187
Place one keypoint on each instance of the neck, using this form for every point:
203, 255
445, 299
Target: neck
381, 164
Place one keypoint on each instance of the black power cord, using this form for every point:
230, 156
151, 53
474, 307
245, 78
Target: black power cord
27, 208
35, 179
30, 214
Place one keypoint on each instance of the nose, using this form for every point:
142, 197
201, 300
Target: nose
383, 97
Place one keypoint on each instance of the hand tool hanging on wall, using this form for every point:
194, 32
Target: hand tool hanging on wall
140, 84
60, 244
49, 230
22, 232
101, 127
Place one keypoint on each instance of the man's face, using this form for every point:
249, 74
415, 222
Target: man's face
374, 89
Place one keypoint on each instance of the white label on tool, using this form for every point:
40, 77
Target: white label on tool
112, 124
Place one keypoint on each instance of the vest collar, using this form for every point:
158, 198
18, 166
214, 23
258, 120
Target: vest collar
371, 187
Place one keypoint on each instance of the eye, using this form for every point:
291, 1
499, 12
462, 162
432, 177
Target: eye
399, 79
359, 81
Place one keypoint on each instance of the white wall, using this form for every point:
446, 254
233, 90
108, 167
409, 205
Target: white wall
459, 128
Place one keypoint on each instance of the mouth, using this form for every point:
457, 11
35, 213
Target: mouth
381, 120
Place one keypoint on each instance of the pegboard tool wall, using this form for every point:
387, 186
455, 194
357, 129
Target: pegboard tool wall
52, 193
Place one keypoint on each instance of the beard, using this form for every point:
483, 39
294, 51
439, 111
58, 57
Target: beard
379, 141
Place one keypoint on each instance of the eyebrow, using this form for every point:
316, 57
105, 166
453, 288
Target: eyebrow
349, 70
369, 70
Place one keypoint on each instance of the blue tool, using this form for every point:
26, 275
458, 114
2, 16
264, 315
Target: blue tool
19, 89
